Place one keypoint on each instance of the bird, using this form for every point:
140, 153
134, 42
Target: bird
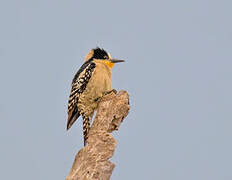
90, 83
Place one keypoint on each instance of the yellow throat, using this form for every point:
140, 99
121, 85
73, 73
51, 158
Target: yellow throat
109, 64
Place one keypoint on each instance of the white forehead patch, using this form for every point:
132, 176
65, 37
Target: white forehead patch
109, 55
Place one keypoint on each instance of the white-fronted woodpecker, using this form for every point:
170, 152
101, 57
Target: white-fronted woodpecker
90, 83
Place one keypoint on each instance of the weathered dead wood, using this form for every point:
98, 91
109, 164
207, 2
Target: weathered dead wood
92, 161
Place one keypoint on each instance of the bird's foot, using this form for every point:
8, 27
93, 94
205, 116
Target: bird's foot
105, 93
108, 92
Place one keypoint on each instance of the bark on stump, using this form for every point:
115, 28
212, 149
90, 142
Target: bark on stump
92, 161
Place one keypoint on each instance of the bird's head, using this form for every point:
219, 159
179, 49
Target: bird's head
101, 55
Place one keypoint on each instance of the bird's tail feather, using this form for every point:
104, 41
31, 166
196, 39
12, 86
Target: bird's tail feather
86, 127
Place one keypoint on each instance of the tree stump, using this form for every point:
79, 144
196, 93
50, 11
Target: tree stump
92, 161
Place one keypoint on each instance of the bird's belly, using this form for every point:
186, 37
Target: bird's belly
95, 89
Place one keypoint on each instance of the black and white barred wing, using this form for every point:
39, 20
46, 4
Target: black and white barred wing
79, 84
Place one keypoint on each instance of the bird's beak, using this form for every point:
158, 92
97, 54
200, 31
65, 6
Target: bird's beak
116, 60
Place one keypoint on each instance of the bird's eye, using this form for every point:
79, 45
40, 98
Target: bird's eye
105, 57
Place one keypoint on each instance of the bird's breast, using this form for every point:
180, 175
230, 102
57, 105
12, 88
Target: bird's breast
99, 83
101, 80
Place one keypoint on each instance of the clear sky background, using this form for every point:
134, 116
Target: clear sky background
178, 73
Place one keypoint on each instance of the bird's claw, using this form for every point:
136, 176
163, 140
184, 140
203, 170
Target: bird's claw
108, 92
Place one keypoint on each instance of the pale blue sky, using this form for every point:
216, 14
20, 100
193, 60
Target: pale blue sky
178, 72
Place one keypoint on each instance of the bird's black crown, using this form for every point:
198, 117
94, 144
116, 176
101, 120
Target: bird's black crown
99, 53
